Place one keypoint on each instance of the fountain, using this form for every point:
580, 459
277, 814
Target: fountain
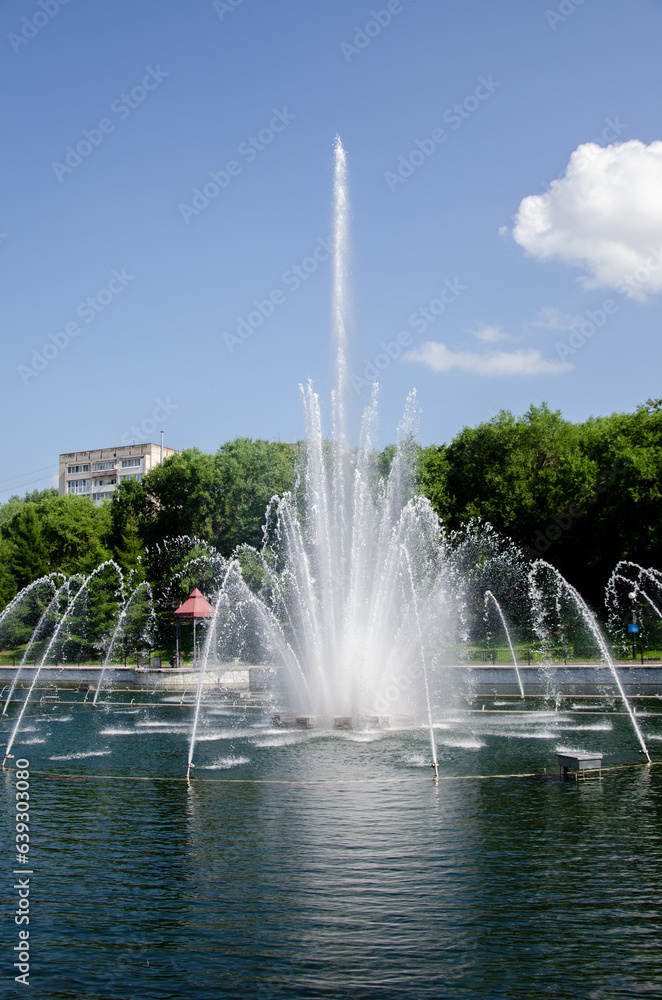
358, 600
41, 626
355, 603
82, 590
361, 592
323, 862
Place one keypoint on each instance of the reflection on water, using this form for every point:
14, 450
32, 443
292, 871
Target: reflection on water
303, 865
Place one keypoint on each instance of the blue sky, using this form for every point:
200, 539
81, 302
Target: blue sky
452, 113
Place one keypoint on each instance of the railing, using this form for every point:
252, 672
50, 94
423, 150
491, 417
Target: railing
526, 657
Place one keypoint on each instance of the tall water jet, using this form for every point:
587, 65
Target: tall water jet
354, 605
340, 291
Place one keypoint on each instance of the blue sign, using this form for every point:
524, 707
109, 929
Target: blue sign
633, 628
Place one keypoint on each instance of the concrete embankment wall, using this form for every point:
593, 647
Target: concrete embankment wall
481, 679
571, 678
224, 675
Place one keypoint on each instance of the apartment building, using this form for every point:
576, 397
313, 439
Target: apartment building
98, 473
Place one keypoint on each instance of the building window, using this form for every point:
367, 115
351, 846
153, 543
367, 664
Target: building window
106, 482
73, 470
102, 466
131, 463
79, 485
137, 476
101, 496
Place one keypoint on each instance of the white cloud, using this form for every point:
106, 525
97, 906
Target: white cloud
491, 335
604, 215
551, 318
440, 358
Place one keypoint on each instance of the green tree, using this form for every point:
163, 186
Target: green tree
75, 532
65, 533
29, 553
130, 552
219, 498
14, 504
8, 585
249, 474
517, 473
581, 496
180, 497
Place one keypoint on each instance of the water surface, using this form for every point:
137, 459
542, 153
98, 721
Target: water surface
302, 865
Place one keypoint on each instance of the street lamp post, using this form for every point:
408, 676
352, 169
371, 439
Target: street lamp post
634, 628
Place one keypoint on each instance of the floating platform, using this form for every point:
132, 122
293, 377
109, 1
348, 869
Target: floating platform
283, 721
346, 722
580, 766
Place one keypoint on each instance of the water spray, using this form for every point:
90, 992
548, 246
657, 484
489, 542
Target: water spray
488, 594
83, 587
590, 620
433, 746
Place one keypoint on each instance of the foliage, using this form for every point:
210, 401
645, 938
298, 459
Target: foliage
581, 496
13, 505
219, 498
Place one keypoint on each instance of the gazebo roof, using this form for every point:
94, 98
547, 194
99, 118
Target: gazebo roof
195, 606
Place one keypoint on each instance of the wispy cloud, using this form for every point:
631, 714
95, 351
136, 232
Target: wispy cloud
442, 359
491, 335
551, 318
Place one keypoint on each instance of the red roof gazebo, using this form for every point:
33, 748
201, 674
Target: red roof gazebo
193, 608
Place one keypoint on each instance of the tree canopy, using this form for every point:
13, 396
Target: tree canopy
582, 496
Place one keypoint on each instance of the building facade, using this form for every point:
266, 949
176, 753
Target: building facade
97, 474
